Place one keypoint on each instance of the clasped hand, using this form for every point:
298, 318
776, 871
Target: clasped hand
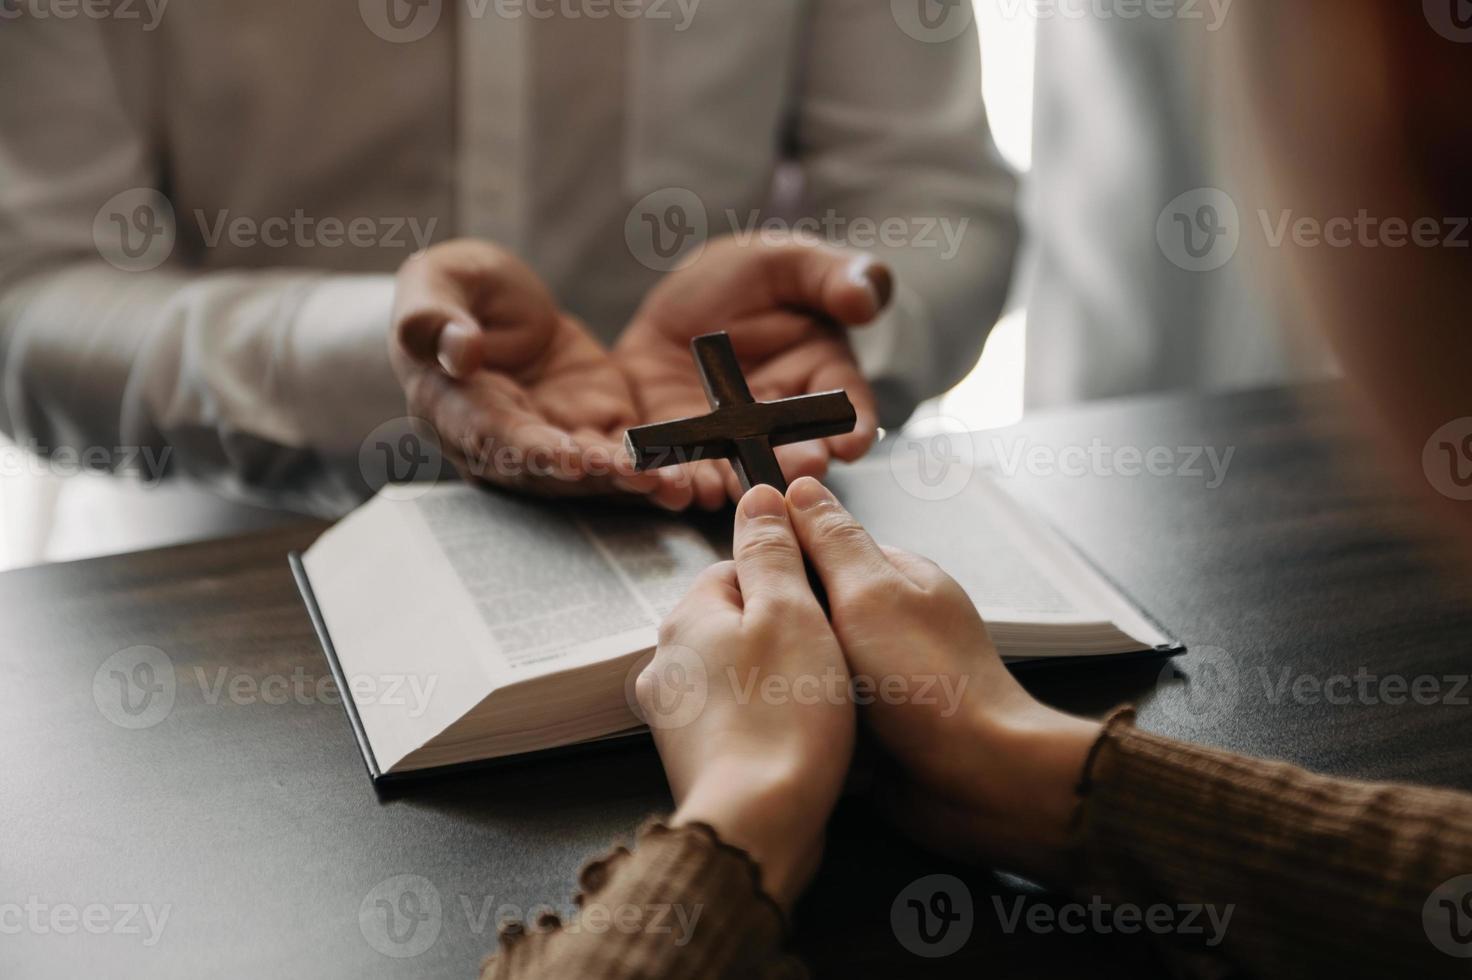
520, 394
971, 763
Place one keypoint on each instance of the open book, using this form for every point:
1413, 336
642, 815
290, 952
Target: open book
465, 624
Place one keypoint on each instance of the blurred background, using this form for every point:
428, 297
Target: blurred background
1108, 121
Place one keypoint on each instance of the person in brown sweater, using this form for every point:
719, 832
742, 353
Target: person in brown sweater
1361, 105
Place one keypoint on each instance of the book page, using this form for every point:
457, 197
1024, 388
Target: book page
975, 536
557, 590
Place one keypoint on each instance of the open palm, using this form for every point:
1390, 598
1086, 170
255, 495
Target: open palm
787, 309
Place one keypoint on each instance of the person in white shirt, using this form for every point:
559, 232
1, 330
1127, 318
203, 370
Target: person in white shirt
203, 209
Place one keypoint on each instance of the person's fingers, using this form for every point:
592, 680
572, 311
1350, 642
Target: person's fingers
707, 483
768, 562
922, 571
715, 588
843, 373
800, 459
846, 557
850, 289
463, 304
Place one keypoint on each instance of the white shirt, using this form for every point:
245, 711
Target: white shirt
306, 148
1131, 136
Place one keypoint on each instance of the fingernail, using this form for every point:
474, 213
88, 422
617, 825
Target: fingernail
874, 276
454, 339
763, 501
807, 493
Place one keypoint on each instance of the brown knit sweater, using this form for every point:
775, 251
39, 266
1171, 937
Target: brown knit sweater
1289, 874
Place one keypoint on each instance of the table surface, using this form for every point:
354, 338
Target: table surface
244, 814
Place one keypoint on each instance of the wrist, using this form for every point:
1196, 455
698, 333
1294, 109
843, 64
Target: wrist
1040, 757
763, 810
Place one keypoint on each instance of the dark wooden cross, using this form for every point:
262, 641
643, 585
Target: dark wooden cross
739, 427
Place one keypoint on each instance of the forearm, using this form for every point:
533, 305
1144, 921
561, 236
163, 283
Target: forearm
682, 904
259, 384
1317, 874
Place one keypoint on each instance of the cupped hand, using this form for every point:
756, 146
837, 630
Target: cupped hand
748, 698
981, 766
787, 308
518, 392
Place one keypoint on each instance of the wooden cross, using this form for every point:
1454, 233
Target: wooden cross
739, 427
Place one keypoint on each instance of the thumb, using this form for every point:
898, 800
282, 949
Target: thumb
851, 289
768, 563
846, 557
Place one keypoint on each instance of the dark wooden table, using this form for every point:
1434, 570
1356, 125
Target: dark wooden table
245, 812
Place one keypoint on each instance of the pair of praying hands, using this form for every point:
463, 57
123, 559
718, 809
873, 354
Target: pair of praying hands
520, 394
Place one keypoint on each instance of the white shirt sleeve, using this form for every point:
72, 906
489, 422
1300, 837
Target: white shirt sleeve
892, 137
261, 382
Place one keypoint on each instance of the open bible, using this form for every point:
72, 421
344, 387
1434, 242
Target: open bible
464, 624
